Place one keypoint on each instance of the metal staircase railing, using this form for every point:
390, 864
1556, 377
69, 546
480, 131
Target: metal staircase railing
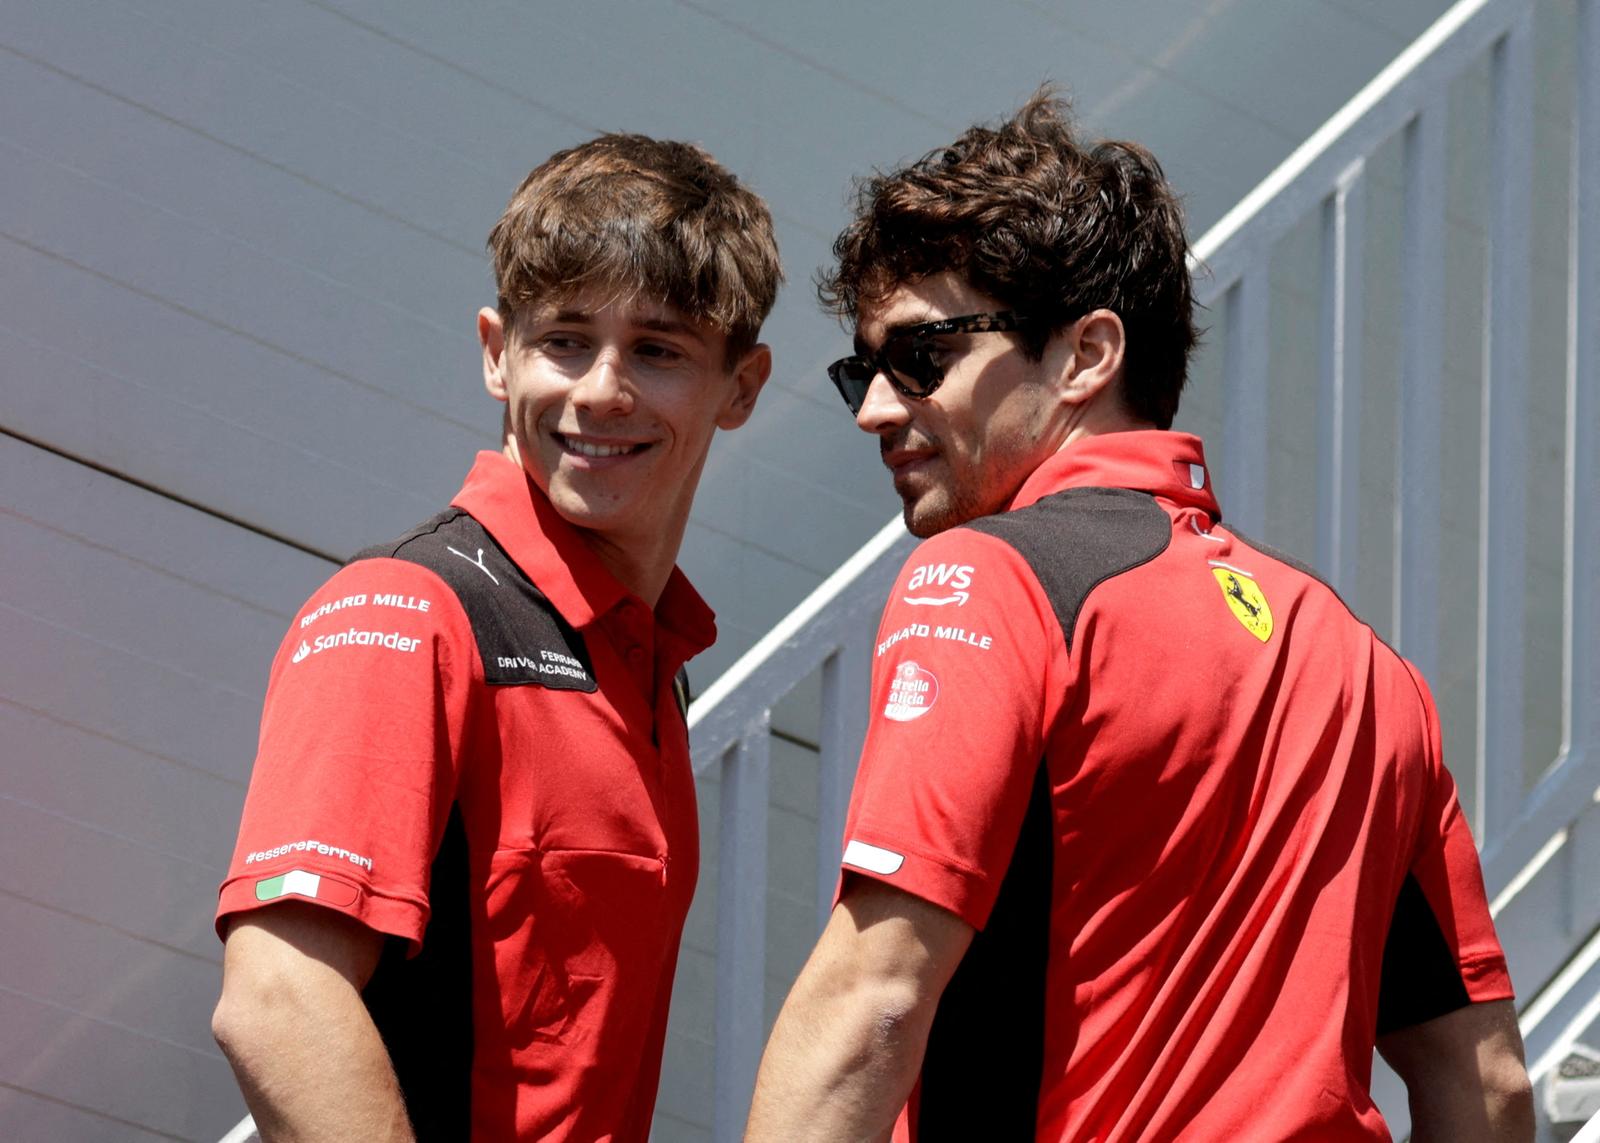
730, 729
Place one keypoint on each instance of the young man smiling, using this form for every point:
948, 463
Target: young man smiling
1151, 838
470, 840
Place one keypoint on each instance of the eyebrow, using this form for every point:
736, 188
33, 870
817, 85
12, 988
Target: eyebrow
668, 325
895, 329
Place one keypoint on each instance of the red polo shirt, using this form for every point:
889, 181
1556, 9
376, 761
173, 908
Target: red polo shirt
1196, 808
471, 743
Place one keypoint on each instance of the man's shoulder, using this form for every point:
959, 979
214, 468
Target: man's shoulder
521, 635
1105, 517
429, 542
1079, 538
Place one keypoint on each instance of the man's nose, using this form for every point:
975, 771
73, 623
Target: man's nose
883, 408
605, 384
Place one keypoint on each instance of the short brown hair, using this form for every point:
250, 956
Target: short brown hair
1047, 226
644, 217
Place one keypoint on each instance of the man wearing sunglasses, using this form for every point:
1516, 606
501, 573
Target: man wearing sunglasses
1151, 838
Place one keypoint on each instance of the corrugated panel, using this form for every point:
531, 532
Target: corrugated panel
137, 632
128, 1077
31, 1116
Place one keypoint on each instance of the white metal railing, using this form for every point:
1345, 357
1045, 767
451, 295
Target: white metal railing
1526, 837
730, 728
1534, 843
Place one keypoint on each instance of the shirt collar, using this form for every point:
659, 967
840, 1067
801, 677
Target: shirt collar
1166, 464
554, 555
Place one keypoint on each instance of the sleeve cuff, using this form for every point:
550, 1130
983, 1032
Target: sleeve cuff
965, 892
391, 916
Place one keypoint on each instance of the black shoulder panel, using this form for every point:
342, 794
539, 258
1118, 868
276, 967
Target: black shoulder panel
1421, 979
1078, 539
984, 1063
521, 636
422, 1006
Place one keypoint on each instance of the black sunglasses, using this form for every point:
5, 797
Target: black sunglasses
906, 358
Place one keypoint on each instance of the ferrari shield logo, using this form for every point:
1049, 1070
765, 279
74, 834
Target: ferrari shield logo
1245, 600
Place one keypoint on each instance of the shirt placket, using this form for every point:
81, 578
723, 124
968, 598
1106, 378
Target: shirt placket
631, 629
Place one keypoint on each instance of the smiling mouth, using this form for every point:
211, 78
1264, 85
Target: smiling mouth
902, 460
595, 449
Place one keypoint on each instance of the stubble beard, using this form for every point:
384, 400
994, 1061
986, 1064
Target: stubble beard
931, 502
938, 509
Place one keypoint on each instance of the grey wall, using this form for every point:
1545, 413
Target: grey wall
240, 250
132, 673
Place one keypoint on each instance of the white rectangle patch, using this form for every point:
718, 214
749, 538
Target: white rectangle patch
872, 858
303, 882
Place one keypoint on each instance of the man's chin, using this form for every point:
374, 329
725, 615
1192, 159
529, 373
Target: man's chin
924, 518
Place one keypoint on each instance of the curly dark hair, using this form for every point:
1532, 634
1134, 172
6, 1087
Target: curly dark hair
1045, 225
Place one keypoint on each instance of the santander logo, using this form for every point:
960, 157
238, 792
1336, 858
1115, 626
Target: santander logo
940, 583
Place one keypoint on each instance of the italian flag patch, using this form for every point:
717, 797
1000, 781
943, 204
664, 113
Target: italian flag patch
304, 883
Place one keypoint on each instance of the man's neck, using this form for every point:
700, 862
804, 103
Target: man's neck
1101, 418
644, 567
642, 564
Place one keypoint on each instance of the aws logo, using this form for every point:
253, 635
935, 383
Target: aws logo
945, 583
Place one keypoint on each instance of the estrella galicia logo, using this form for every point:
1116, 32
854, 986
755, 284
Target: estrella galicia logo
913, 689
954, 577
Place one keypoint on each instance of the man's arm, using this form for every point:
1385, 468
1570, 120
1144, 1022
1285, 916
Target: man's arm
848, 1044
1465, 1076
293, 1025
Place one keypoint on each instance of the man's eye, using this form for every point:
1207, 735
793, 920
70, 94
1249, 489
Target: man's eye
561, 343
659, 351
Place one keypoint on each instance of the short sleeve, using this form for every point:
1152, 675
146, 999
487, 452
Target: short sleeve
1441, 952
357, 764
966, 655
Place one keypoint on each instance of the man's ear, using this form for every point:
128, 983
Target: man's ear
1093, 349
492, 336
748, 377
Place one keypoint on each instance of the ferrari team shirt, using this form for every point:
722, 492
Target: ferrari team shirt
473, 743
1196, 809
